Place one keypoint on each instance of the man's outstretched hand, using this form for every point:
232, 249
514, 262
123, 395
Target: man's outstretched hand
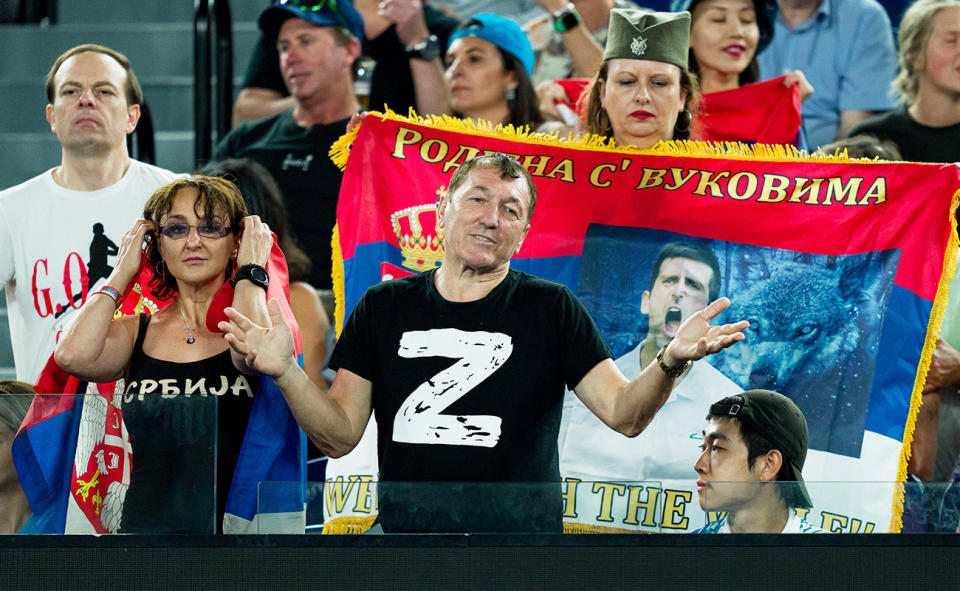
697, 338
266, 349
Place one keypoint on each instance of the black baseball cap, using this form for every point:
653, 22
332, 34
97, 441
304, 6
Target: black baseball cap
778, 419
323, 13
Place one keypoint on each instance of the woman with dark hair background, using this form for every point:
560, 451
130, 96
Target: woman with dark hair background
725, 38
263, 198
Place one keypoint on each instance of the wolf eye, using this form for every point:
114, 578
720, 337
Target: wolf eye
806, 330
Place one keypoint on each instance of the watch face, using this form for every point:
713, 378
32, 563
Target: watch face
259, 275
570, 20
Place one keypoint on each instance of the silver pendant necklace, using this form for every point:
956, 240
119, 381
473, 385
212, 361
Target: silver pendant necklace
186, 327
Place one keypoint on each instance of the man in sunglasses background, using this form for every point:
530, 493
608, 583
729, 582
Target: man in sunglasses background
400, 36
754, 447
318, 43
59, 230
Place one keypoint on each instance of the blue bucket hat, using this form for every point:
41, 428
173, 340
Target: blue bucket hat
502, 32
323, 13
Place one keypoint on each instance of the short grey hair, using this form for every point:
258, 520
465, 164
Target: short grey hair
506, 165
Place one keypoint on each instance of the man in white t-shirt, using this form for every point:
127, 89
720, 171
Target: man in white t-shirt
685, 278
60, 230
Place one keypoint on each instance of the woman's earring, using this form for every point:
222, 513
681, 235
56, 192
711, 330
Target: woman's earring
511, 95
603, 128
161, 270
687, 117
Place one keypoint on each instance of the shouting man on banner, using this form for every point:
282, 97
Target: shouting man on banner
684, 279
465, 367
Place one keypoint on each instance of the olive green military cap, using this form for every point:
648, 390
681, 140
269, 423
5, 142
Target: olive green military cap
644, 35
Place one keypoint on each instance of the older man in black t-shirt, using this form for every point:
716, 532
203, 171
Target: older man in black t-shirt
465, 366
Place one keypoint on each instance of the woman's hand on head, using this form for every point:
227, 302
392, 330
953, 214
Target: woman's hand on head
797, 77
256, 241
129, 253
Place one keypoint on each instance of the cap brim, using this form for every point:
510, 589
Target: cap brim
801, 487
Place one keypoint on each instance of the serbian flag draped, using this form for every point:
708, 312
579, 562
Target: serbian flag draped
73, 452
840, 266
764, 112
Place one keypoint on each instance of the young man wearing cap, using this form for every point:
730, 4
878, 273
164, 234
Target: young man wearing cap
401, 36
317, 49
754, 446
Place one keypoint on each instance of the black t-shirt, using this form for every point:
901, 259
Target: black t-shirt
186, 423
392, 80
469, 391
917, 142
298, 158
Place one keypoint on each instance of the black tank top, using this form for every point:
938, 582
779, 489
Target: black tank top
186, 423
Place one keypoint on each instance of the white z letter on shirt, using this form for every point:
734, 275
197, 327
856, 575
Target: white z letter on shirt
480, 354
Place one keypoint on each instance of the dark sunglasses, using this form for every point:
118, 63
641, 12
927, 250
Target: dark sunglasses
314, 6
177, 231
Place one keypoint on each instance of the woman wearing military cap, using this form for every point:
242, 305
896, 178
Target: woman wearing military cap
643, 92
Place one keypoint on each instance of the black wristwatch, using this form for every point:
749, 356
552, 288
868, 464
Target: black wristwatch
426, 49
566, 19
255, 274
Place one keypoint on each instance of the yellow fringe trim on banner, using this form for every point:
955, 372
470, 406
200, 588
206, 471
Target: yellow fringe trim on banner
340, 150
926, 356
348, 525
338, 281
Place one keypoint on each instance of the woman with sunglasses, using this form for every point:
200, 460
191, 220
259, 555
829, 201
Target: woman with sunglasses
185, 403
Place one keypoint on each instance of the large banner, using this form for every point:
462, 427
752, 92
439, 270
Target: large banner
840, 267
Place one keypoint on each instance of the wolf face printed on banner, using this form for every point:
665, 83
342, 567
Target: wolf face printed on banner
802, 324
815, 325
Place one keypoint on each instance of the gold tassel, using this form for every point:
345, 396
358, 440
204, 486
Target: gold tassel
926, 357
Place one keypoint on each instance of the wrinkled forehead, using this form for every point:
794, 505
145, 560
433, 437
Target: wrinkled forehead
488, 180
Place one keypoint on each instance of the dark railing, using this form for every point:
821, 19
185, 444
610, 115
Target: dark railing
141, 143
42, 12
211, 15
